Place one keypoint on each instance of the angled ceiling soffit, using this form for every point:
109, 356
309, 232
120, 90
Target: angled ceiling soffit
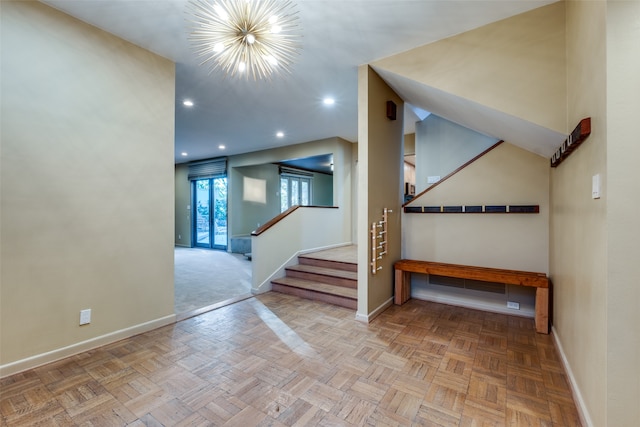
516, 65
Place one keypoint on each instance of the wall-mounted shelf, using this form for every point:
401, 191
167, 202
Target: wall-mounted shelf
474, 209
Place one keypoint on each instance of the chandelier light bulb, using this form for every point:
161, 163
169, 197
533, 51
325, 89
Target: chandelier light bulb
222, 13
256, 36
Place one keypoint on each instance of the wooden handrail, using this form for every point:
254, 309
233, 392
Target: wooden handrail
273, 221
455, 171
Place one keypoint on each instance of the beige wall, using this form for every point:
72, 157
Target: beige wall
443, 146
623, 205
342, 175
249, 215
507, 175
380, 167
515, 66
578, 250
354, 192
244, 217
87, 186
322, 194
182, 206
410, 144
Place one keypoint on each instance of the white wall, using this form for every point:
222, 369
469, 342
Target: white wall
304, 230
87, 187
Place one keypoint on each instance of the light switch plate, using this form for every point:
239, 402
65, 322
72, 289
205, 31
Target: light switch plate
85, 316
595, 186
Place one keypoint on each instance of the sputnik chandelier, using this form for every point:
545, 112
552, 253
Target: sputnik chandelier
250, 37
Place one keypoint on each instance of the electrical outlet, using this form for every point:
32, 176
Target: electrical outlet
179, 236
85, 316
433, 179
514, 305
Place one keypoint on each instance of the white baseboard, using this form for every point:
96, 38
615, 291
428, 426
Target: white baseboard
265, 286
583, 411
476, 302
366, 318
73, 349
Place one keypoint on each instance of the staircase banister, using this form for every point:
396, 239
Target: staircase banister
452, 173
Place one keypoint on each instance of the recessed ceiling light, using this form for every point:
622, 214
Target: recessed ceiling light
280, 134
187, 103
221, 146
184, 154
329, 101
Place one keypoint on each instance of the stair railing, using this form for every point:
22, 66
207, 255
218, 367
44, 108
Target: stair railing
300, 229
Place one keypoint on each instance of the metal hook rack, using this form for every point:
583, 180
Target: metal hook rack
379, 238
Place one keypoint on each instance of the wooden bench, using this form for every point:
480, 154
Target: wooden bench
405, 267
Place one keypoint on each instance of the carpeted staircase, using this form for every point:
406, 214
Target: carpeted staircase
320, 278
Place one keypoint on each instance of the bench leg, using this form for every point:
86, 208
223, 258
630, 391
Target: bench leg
542, 310
402, 287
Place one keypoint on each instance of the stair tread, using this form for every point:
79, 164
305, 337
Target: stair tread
340, 261
318, 287
342, 254
324, 271
327, 263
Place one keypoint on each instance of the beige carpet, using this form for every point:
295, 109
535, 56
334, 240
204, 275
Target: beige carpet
204, 277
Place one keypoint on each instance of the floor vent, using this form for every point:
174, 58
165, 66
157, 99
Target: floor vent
475, 285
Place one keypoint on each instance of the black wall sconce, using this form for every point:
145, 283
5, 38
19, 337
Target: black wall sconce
391, 110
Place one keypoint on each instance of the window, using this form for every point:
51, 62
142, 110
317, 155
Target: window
295, 189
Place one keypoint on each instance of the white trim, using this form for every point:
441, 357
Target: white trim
73, 349
583, 411
366, 318
265, 286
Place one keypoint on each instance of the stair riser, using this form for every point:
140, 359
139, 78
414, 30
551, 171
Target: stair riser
331, 280
328, 264
308, 294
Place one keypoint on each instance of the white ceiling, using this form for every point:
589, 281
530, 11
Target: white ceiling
337, 36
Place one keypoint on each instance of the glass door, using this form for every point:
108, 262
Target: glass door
210, 220
294, 190
219, 191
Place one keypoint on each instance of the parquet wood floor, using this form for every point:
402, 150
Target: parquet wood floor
278, 360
